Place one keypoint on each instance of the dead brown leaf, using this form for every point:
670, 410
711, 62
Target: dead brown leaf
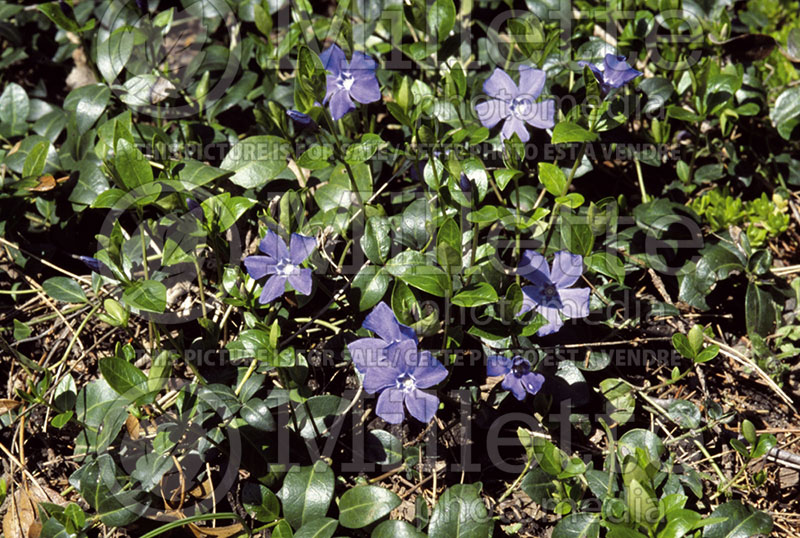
7, 405
20, 519
216, 532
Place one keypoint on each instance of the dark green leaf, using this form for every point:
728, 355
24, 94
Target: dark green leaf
786, 113
441, 17
363, 505
578, 525
146, 295
64, 289
413, 268
87, 103
318, 528
306, 493
760, 310
740, 522
538, 485
256, 160
371, 283
134, 170
256, 413
97, 483
460, 513
566, 132
396, 529
260, 502
124, 377
476, 295
553, 178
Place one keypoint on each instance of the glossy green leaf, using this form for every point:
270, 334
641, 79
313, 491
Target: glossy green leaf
256, 160
740, 522
306, 493
478, 294
146, 295
363, 505
460, 513
371, 284
260, 502
566, 132
64, 289
133, 169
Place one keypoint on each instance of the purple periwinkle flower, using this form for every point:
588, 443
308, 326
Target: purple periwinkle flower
615, 73
465, 184
283, 264
515, 104
303, 120
551, 294
399, 378
518, 377
92, 263
367, 352
348, 81
192, 204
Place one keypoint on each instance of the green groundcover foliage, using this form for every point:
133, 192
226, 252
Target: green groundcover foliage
398, 268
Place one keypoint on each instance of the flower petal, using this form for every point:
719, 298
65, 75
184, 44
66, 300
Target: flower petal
366, 89
598, 73
500, 86
403, 355
531, 81
380, 376
331, 87
301, 281
542, 115
554, 321
382, 322
300, 248
428, 371
273, 288
532, 382
340, 104
530, 299
618, 72
333, 60
491, 112
498, 365
533, 266
273, 245
390, 406
575, 302
567, 269
514, 384
515, 125
362, 64
367, 352
259, 266
421, 405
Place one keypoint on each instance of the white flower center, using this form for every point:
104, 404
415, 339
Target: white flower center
346, 81
406, 383
521, 107
285, 268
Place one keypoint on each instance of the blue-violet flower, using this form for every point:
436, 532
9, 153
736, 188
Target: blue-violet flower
348, 81
367, 352
551, 294
518, 377
515, 104
283, 264
399, 379
616, 72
